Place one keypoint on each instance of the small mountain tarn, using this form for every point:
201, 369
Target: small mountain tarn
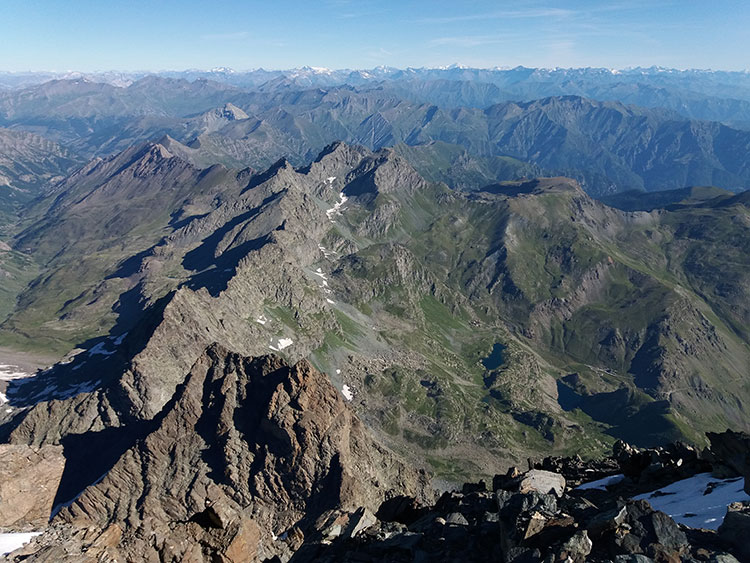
495, 359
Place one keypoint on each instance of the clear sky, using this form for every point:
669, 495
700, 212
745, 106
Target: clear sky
89, 35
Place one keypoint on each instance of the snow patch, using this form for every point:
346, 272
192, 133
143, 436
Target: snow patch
602, 483
699, 502
330, 301
337, 208
12, 541
327, 253
261, 320
8, 373
330, 179
347, 393
281, 344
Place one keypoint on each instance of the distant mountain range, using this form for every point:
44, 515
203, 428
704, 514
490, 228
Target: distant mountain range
607, 146
697, 94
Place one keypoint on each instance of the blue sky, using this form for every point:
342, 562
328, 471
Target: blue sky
91, 35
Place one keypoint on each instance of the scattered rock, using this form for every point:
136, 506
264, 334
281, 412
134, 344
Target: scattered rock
360, 520
667, 532
577, 547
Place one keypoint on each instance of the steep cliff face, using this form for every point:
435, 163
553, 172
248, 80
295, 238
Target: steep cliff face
252, 447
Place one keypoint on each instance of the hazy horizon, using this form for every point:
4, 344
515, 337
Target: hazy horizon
225, 68
89, 36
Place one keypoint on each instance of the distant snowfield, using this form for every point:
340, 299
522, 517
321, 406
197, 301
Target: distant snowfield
12, 541
10, 373
694, 503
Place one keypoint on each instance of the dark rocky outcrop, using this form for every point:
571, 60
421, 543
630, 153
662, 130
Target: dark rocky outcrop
730, 453
513, 526
735, 530
510, 524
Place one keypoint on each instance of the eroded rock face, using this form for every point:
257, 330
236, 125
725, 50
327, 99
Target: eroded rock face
29, 478
248, 449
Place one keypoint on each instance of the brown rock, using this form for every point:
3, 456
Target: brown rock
110, 537
244, 439
29, 478
536, 524
243, 547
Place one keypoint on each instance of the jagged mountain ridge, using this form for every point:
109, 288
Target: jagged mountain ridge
104, 213
622, 147
397, 288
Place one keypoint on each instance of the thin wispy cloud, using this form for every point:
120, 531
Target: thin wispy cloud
504, 14
229, 36
354, 15
468, 40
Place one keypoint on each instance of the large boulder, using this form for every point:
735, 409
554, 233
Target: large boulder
735, 530
541, 481
732, 451
29, 478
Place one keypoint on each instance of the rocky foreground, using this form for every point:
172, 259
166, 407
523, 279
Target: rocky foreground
257, 460
548, 514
